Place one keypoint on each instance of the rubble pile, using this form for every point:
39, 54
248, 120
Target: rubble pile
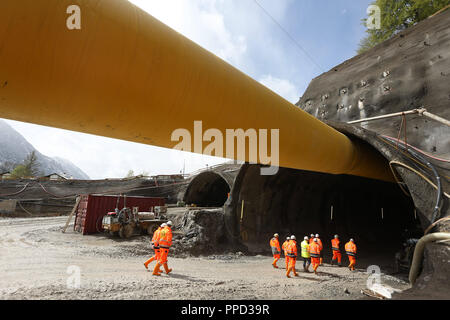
199, 232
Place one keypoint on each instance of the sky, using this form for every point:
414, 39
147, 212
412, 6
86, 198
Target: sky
283, 44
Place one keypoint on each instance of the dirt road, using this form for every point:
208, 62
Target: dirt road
38, 261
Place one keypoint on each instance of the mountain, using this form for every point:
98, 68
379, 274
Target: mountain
14, 148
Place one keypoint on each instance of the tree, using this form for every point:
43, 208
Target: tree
396, 16
130, 174
29, 168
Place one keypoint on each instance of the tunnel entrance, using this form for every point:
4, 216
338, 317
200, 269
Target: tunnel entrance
208, 189
376, 214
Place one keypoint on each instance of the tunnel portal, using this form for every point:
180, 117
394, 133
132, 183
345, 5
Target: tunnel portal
208, 189
376, 214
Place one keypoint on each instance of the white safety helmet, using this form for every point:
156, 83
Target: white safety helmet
336, 236
305, 238
351, 240
163, 225
288, 238
315, 240
169, 223
312, 235
276, 235
293, 238
317, 235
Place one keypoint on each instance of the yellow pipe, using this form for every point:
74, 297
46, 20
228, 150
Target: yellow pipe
126, 75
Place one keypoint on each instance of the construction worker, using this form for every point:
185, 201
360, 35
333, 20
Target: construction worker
350, 250
155, 244
292, 254
165, 241
314, 251
276, 251
311, 238
284, 247
321, 249
336, 251
305, 254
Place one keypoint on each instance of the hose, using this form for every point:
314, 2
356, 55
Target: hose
417, 149
435, 223
416, 155
418, 252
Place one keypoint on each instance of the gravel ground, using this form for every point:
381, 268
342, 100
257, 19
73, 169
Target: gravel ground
36, 259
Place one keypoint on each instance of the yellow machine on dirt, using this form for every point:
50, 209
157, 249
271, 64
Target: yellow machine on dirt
127, 222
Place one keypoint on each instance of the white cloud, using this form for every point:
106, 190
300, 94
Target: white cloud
202, 22
283, 87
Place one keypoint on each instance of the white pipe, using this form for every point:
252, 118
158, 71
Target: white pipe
390, 115
421, 112
436, 118
418, 252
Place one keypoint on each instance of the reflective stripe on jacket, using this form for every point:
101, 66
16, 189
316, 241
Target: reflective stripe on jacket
305, 249
284, 246
275, 245
335, 245
350, 249
155, 238
292, 249
165, 237
314, 250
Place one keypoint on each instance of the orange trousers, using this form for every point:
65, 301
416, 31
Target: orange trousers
286, 259
337, 256
155, 257
315, 263
292, 262
352, 260
276, 257
163, 255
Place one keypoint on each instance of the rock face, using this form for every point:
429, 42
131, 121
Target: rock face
200, 232
408, 71
14, 148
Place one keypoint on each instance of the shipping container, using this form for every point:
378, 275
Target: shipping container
92, 208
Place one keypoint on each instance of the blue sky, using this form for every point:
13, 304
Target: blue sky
241, 33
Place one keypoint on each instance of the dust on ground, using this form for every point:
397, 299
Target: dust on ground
36, 259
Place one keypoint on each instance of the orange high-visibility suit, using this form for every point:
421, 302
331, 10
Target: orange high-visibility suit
321, 251
276, 251
284, 247
314, 251
292, 254
155, 243
350, 249
165, 241
336, 251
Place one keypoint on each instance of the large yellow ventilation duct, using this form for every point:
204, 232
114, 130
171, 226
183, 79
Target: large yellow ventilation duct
126, 75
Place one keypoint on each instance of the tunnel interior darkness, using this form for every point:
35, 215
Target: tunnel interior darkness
208, 189
376, 214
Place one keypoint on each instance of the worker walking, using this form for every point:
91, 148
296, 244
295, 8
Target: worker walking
165, 241
350, 250
276, 251
314, 251
336, 251
155, 244
305, 254
292, 254
284, 247
321, 249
